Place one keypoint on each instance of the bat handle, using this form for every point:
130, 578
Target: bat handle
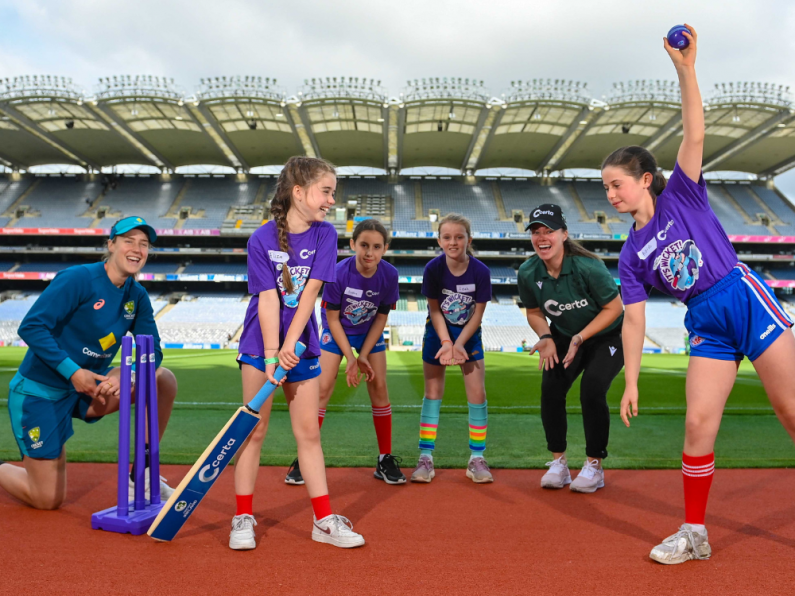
255, 405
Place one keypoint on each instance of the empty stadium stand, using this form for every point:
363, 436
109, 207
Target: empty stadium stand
211, 319
211, 198
150, 198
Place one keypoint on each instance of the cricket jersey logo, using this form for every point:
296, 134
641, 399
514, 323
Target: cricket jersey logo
458, 308
34, 434
299, 275
679, 264
129, 309
359, 312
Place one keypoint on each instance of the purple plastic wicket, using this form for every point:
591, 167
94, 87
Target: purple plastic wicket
154, 429
125, 517
125, 400
141, 389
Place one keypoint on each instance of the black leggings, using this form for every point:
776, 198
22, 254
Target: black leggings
599, 360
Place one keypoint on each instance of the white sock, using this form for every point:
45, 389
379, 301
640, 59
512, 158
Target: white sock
473, 456
700, 528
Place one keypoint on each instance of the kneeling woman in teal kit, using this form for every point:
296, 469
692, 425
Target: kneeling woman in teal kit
73, 332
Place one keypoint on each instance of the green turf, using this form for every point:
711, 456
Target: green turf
210, 391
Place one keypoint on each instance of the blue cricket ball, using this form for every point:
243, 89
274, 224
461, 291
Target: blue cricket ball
677, 39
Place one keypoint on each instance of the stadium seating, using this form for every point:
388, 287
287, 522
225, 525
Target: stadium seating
45, 266
206, 319
215, 267
150, 198
593, 197
731, 219
6, 265
475, 202
215, 196
12, 311
783, 209
159, 266
60, 203
13, 190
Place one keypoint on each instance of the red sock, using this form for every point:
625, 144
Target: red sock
697, 473
245, 504
321, 506
321, 415
382, 420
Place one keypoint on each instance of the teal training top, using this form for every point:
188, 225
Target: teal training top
78, 322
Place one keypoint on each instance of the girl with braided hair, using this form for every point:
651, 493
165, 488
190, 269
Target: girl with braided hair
289, 258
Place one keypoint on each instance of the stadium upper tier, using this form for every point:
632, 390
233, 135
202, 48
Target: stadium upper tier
234, 204
246, 122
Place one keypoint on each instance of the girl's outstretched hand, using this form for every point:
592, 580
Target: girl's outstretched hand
366, 368
352, 373
687, 56
629, 404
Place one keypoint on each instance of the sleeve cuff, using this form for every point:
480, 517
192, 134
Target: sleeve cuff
67, 368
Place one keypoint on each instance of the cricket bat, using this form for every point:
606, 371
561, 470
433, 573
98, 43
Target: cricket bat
208, 468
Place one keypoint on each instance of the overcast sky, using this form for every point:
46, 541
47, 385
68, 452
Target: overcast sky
497, 41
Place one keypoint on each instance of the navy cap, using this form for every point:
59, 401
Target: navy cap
548, 215
131, 223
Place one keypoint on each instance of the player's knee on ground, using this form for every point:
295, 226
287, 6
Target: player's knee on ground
46, 500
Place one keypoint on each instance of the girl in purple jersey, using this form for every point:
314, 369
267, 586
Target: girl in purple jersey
679, 247
289, 258
355, 311
458, 287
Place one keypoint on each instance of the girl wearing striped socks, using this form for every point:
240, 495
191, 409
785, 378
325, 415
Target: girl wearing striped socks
354, 313
457, 286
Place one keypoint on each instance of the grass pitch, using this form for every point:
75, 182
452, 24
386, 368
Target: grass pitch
210, 390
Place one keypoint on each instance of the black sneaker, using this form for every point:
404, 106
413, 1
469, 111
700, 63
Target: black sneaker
388, 470
294, 474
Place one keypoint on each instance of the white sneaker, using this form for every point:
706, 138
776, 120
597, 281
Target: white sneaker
688, 543
558, 474
590, 478
165, 490
242, 536
336, 530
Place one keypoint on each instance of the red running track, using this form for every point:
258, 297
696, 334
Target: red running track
449, 537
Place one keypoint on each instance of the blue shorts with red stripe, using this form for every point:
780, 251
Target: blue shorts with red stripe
738, 316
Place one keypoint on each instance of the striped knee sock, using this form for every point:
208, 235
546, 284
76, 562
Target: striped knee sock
382, 420
478, 425
321, 416
697, 473
429, 422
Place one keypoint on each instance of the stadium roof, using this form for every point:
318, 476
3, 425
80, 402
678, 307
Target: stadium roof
246, 121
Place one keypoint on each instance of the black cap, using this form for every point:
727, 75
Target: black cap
549, 215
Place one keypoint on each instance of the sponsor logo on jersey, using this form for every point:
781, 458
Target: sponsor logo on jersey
768, 331
556, 309
93, 354
539, 284
129, 310
99, 304
107, 341
314, 366
696, 340
371, 293
612, 350
305, 254
663, 234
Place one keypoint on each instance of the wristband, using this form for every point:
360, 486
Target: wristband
545, 336
444, 340
273, 360
582, 341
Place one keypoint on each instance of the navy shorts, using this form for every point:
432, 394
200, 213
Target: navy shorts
328, 344
738, 316
307, 368
41, 416
431, 343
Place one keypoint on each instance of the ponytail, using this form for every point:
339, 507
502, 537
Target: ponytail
572, 248
298, 171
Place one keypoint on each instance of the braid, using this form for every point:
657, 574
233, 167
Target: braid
298, 171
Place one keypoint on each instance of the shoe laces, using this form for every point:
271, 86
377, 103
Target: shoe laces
479, 464
556, 466
241, 521
424, 462
689, 538
589, 469
391, 462
342, 524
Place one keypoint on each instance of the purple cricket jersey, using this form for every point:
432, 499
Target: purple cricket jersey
360, 297
682, 251
457, 296
313, 255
